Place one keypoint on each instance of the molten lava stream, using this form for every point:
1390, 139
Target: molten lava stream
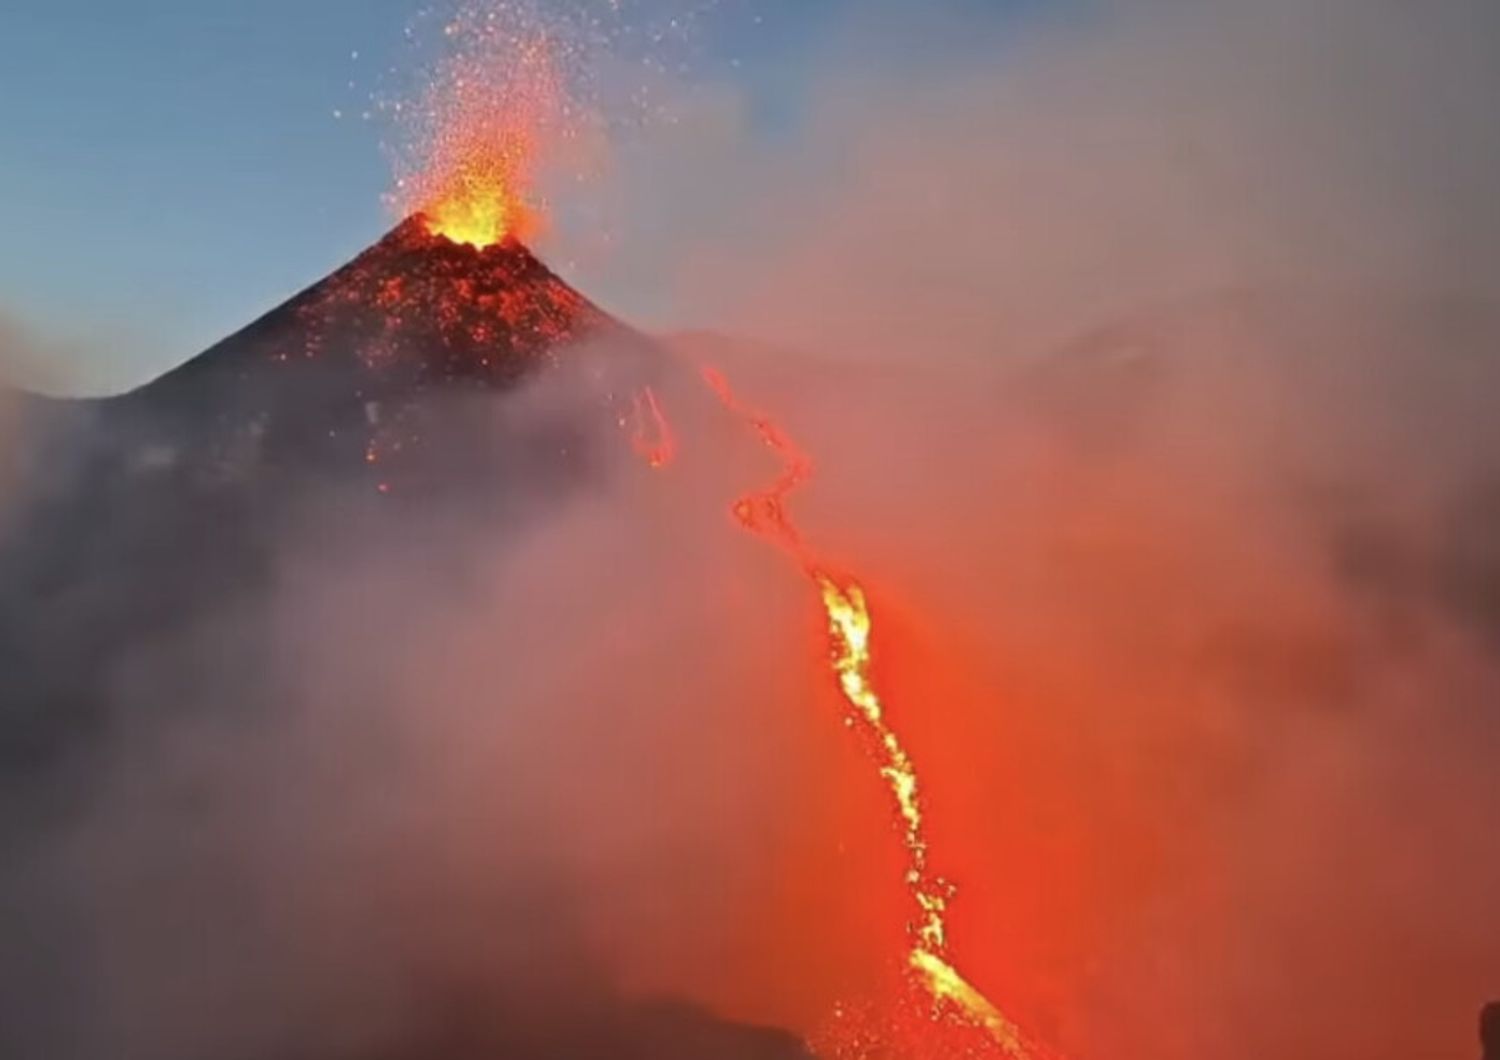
940, 1015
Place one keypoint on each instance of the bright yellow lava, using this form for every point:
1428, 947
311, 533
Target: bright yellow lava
497, 104
849, 624
944, 983
478, 211
949, 998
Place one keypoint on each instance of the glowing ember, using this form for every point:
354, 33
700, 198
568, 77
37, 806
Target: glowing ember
939, 1014
415, 305
496, 106
417, 313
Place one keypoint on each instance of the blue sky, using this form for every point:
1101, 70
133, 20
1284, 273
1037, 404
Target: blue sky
169, 169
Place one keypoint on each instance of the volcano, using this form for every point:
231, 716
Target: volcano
415, 309
340, 375
145, 538
134, 515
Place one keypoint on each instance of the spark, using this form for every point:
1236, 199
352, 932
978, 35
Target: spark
495, 107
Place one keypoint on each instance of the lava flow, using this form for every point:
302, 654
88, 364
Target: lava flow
941, 1015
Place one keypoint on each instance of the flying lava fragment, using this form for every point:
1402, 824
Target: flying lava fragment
495, 107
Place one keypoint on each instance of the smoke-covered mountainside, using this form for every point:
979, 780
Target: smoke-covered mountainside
147, 542
129, 515
145, 539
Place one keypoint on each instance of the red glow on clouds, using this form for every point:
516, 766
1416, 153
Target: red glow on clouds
932, 1011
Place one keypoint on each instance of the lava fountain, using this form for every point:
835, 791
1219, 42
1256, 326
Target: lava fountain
496, 106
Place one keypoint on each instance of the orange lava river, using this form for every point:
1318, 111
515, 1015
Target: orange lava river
937, 1013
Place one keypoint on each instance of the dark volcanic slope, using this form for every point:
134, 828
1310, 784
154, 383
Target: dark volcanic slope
413, 308
135, 517
335, 371
142, 542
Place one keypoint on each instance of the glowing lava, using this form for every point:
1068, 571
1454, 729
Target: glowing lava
480, 212
939, 1015
949, 996
496, 106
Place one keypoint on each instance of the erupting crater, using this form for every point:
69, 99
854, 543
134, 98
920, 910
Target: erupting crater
481, 215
